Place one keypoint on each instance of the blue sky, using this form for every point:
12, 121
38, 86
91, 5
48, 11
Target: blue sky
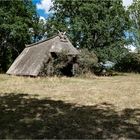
43, 6
42, 10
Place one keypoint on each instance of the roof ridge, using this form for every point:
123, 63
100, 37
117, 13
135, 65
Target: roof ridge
41, 41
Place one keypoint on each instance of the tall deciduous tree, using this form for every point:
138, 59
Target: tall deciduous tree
134, 10
16, 17
92, 24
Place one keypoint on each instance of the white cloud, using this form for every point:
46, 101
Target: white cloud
45, 5
131, 48
127, 2
42, 18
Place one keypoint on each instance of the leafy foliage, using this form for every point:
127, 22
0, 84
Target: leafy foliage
111, 53
134, 10
68, 65
59, 64
87, 61
129, 63
16, 17
92, 24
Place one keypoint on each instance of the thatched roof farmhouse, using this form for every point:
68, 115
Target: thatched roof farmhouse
30, 61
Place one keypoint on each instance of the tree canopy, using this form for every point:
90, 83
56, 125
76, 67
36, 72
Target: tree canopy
134, 10
94, 24
16, 18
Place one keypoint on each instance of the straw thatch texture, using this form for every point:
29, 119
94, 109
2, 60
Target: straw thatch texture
30, 61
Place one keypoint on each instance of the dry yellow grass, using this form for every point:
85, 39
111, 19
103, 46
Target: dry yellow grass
120, 91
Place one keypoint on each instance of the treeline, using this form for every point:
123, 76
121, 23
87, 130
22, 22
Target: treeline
102, 27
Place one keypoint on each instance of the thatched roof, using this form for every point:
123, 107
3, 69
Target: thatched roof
32, 58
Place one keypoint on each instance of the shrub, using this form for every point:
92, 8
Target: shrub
70, 65
58, 64
63, 64
87, 61
129, 63
111, 53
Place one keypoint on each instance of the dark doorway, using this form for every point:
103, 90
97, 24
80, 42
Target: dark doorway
67, 70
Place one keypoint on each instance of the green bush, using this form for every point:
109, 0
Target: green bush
57, 65
113, 54
129, 63
87, 61
70, 65
63, 64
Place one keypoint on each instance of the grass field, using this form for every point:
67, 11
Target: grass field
121, 91
96, 107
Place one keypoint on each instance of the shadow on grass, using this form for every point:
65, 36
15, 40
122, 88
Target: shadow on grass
22, 116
